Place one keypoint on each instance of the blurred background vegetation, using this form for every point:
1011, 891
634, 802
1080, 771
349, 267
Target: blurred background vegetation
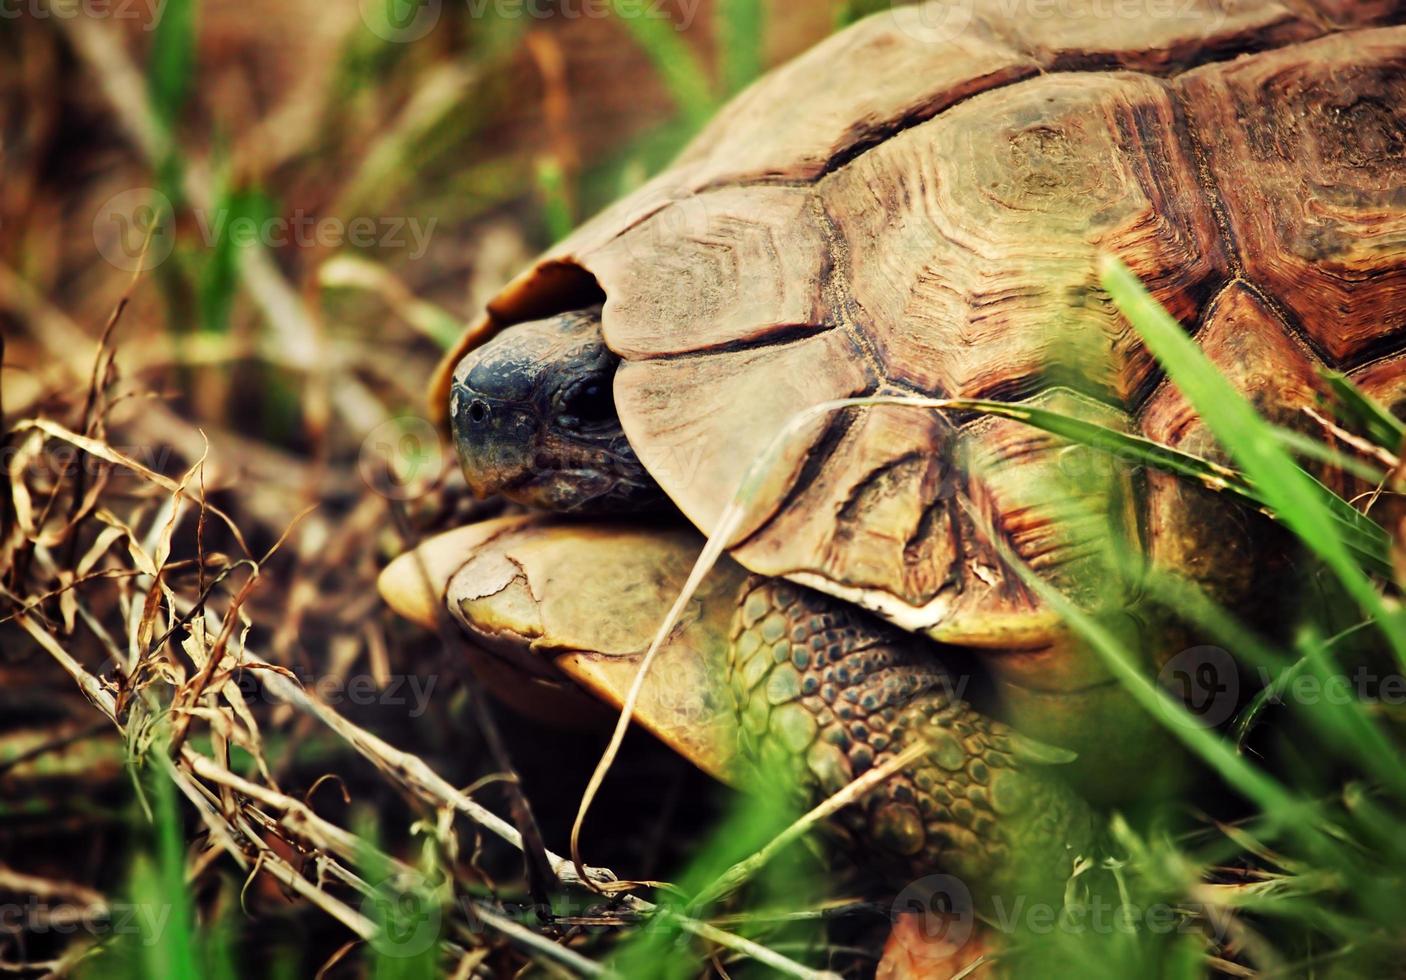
136, 138
497, 124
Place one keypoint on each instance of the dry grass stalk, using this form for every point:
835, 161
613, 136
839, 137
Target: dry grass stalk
192, 684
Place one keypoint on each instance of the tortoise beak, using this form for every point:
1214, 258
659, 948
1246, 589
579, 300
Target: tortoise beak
494, 437
534, 419
496, 404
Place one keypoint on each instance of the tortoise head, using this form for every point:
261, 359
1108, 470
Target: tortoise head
533, 416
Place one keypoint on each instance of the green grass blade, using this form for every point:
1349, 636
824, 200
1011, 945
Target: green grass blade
1379, 425
740, 30
170, 78
219, 953
171, 866
1281, 810
1367, 540
172, 66
1135, 449
665, 950
677, 63
1269, 694
1267, 793
1294, 497
235, 210
1309, 448
166, 945
1346, 721
408, 914
850, 11
556, 206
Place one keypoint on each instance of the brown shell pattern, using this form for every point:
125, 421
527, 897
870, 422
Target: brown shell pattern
901, 212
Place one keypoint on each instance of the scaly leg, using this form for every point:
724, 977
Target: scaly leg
826, 691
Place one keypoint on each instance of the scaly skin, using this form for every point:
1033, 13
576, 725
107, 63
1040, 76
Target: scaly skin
825, 692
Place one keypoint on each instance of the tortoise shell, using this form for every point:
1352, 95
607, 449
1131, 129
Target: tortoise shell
918, 205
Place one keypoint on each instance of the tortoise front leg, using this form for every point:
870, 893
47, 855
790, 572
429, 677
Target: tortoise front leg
825, 692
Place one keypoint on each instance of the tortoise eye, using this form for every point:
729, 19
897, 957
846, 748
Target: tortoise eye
590, 402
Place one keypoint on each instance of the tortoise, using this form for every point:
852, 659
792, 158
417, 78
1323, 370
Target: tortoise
917, 207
